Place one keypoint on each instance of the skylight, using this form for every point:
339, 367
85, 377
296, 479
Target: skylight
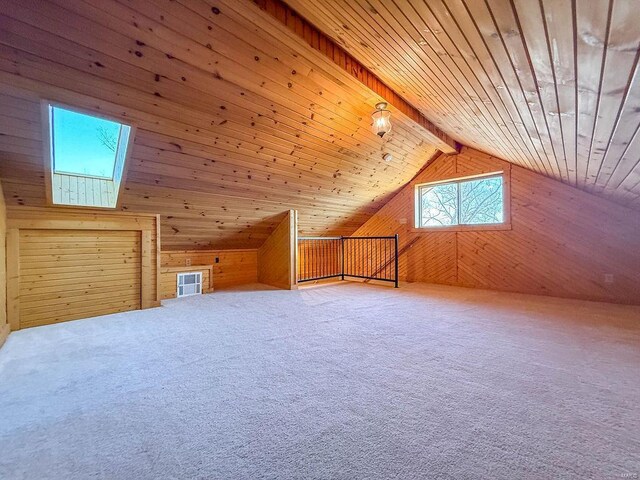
84, 144
87, 157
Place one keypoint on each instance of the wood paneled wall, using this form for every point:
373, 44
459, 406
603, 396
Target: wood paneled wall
562, 240
277, 256
4, 325
234, 267
68, 264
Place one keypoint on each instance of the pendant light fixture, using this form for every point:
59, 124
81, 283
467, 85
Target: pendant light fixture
381, 120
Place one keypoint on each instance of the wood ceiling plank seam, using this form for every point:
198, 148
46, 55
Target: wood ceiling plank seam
15, 110
591, 51
509, 102
598, 119
239, 193
512, 39
232, 167
422, 58
458, 61
177, 196
487, 27
418, 61
232, 153
561, 46
470, 54
12, 145
630, 186
630, 157
614, 96
29, 105
253, 183
623, 52
389, 77
292, 200
530, 18
626, 131
226, 157
173, 207
19, 128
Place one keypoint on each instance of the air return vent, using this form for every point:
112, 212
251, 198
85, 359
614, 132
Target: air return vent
189, 284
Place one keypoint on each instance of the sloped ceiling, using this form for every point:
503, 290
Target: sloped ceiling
238, 118
551, 85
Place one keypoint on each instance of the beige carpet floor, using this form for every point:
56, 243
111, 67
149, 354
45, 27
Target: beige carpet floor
344, 381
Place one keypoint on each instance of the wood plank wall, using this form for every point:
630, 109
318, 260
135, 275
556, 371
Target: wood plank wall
4, 325
234, 267
277, 256
562, 241
238, 117
69, 264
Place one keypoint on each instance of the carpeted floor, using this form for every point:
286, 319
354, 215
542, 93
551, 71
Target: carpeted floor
337, 382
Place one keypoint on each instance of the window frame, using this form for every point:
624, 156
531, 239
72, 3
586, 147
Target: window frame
198, 283
118, 176
505, 174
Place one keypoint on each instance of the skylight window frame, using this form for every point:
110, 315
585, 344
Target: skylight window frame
119, 174
505, 174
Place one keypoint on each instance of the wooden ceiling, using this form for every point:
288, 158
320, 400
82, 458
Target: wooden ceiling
551, 85
238, 118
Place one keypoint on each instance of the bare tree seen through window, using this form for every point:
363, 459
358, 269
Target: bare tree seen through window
108, 138
472, 202
439, 205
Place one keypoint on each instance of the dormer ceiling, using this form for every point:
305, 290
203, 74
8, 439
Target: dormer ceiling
551, 85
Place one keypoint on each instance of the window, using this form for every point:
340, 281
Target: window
461, 202
87, 157
189, 284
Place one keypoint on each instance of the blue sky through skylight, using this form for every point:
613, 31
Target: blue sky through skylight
84, 144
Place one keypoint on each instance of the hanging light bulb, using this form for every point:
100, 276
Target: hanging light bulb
381, 120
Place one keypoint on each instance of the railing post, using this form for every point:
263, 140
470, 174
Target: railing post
396, 242
342, 255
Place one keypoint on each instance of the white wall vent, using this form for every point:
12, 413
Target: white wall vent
189, 284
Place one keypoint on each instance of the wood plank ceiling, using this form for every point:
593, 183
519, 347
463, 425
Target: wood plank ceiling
238, 118
551, 85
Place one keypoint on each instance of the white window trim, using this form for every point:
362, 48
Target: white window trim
506, 198
198, 283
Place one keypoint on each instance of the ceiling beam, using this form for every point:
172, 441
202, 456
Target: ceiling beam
322, 43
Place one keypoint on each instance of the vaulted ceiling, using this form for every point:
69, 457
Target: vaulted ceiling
238, 118
551, 85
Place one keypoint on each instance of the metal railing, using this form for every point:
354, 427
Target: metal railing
369, 258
